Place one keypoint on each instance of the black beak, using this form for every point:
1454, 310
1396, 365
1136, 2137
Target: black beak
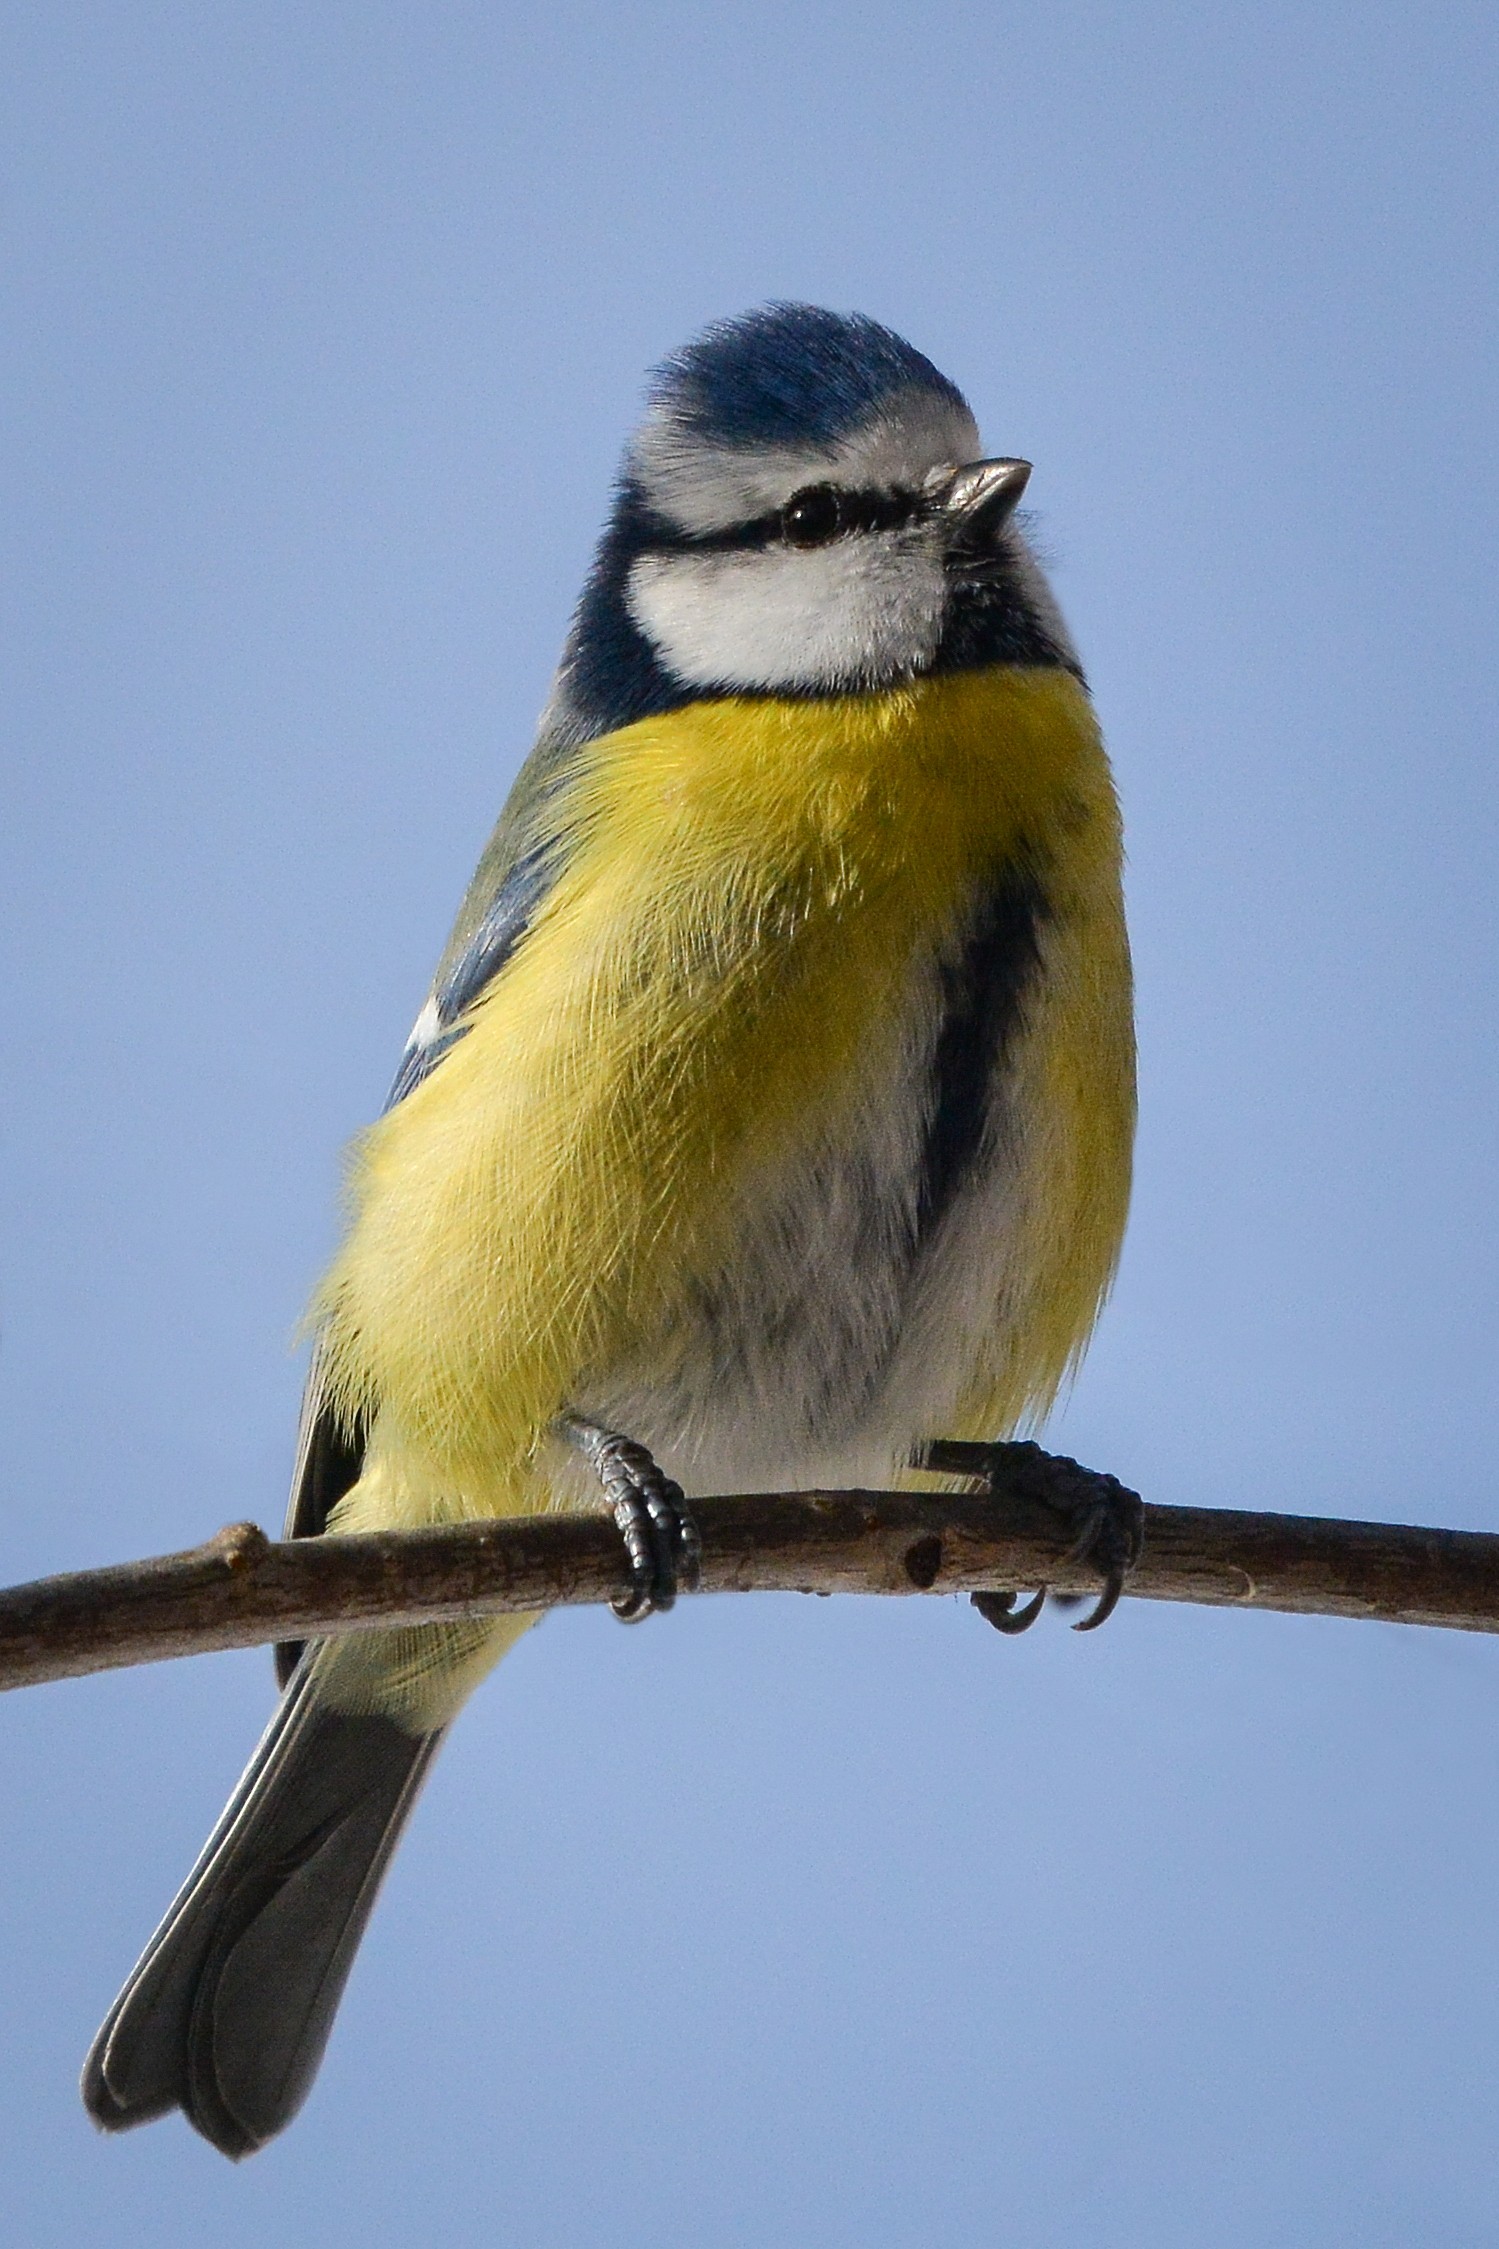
979, 500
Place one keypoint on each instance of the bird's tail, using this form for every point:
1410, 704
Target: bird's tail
229, 2008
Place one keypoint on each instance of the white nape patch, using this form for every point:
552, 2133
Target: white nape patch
856, 612
704, 488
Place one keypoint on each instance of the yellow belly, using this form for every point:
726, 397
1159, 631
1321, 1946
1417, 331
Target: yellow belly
746, 886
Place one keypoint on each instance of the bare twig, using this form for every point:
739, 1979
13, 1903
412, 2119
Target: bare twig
241, 1588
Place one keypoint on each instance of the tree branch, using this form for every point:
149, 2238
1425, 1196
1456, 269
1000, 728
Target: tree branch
242, 1588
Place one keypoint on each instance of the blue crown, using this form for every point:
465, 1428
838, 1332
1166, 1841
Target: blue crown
787, 375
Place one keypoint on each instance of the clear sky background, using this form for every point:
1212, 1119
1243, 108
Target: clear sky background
325, 327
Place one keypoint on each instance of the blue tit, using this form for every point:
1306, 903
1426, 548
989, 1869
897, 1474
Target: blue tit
769, 1118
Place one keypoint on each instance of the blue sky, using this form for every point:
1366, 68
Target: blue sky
325, 326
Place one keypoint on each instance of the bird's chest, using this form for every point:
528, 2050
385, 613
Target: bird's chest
730, 1153
873, 974
775, 1349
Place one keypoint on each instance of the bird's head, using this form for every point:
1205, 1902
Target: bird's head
805, 509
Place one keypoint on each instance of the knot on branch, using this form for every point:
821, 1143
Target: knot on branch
240, 1546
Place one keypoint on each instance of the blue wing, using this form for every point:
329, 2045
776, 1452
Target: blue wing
478, 959
522, 861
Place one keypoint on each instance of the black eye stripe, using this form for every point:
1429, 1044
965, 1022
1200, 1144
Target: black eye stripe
870, 510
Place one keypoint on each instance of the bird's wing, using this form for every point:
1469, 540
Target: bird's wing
477, 951
521, 862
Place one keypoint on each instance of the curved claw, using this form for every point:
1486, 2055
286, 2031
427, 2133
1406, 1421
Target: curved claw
1112, 1539
999, 1610
1108, 1600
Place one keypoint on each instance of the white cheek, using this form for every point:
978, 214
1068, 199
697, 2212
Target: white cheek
853, 613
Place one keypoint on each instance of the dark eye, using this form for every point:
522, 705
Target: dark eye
812, 517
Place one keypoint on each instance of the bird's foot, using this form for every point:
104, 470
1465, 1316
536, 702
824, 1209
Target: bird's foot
1106, 1520
650, 1513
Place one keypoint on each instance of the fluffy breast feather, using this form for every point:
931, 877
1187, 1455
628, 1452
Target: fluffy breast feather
690, 1107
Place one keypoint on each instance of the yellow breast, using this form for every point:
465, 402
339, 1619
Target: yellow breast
745, 884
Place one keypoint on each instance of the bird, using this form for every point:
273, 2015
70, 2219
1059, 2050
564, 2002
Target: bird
768, 1123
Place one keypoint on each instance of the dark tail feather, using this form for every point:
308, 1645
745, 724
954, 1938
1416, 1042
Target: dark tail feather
230, 2006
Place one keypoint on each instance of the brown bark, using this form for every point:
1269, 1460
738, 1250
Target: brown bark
241, 1588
